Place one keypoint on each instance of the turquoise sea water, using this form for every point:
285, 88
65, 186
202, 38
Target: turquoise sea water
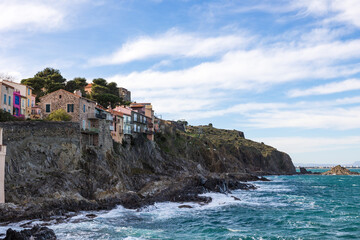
288, 207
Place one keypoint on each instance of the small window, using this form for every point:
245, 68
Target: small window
70, 108
17, 100
28, 91
9, 100
47, 108
60, 96
28, 102
9, 110
4, 98
84, 108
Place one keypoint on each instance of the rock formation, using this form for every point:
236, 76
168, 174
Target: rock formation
339, 170
50, 169
37, 232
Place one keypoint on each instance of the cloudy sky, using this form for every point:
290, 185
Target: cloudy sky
286, 72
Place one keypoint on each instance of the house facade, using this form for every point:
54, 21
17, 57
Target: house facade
146, 109
26, 93
127, 123
81, 109
7, 95
18, 111
117, 132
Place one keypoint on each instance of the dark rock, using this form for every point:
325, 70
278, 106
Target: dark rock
185, 206
339, 170
304, 171
91, 215
236, 198
37, 232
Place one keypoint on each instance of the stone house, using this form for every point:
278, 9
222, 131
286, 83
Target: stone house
7, 97
81, 109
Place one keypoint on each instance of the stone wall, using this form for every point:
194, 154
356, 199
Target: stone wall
59, 100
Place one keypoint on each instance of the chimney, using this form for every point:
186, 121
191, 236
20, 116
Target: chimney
78, 92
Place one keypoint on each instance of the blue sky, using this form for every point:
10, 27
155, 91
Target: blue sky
287, 73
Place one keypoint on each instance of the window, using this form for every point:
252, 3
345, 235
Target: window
16, 111
28, 91
9, 110
9, 100
135, 117
28, 102
4, 98
17, 100
22, 102
70, 108
59, 96
47, 108
84, 108
5, 109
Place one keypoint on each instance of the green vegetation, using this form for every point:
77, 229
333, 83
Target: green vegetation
226, 138
59, 115
50, 80
6, 116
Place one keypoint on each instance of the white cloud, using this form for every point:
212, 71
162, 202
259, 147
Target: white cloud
335, 87
172, 44
344, 11
29, 15
311, 144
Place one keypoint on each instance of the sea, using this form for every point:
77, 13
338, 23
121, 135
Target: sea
287, 207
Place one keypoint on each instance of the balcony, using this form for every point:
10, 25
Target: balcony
96, 115
90, 130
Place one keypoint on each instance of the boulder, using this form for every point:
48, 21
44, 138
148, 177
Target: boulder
37, 232
339, 170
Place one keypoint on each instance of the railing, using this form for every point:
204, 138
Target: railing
96, 115
90, 130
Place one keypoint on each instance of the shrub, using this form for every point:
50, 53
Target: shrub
6, 116
59, 115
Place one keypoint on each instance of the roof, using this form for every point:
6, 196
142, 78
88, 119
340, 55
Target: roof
89, 85
7, 85
116, 113
16, 84
63, 90
137, 105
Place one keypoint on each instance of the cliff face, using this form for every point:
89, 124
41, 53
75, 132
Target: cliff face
51, 170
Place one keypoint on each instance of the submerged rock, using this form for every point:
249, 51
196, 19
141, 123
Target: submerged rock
185, 206
37, 232
339, 170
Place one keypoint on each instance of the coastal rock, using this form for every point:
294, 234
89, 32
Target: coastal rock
50, 169
339, 170
37, 232
185, 206
304, 171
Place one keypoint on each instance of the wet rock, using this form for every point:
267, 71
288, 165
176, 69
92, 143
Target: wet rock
236, 198
185, 206
37, 232
339, 170
91, 215
304, 171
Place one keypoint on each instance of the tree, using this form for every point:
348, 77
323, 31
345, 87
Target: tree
113, 88
107, 99
37, 84
100, 81
45, 81
59, 115
77, 83
6, 116
53, 80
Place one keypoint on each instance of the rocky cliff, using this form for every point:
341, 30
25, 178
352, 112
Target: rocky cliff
51, 170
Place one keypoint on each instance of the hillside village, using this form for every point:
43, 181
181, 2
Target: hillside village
123, 121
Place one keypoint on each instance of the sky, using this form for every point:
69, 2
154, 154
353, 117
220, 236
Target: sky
285, 72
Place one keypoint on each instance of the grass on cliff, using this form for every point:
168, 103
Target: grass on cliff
207, 135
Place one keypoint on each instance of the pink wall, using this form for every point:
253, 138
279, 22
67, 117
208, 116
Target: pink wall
17, 104
125, 110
